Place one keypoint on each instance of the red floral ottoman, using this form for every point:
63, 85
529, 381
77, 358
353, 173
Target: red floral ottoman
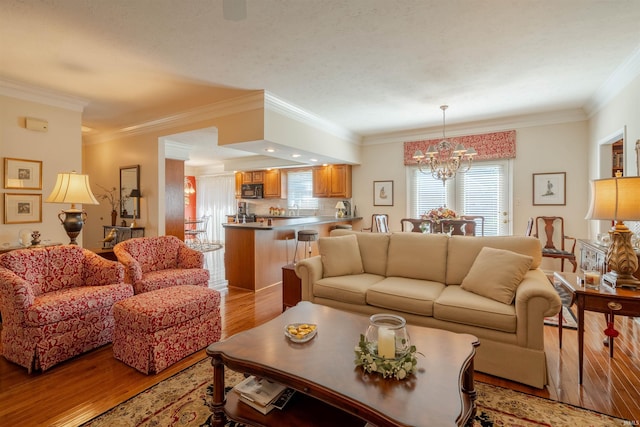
153, 330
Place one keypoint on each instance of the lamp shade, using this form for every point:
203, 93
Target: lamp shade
615, 199
135, 193
72, 188
340, 205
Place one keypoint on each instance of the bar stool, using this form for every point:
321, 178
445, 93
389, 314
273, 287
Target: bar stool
306, 236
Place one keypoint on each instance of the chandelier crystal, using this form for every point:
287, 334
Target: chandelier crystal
443, 160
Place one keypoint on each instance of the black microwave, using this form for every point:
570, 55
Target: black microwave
252, 191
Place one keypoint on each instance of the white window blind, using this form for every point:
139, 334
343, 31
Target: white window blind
300, 190
482, 190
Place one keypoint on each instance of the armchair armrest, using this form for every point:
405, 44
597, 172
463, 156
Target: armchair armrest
16, 296
573, 247
132, 268
98, 271
535, 299
189, 258
309, 271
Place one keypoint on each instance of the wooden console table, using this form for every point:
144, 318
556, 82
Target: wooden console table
122, 233
607, 300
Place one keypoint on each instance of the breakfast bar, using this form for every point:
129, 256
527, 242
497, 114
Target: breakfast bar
255, 252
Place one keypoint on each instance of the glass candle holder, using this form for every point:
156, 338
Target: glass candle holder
387, 336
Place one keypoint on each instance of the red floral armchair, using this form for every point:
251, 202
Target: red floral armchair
152, 263
56, 303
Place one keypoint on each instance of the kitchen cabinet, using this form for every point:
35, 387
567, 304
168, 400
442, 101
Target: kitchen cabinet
238, 185
275, 184
332, 181
253, 177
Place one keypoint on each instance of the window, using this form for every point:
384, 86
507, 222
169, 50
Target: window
482, 190
300, 189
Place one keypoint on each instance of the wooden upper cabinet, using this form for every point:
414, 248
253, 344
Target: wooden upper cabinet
275, 184
253, 177
239, 185
332, 181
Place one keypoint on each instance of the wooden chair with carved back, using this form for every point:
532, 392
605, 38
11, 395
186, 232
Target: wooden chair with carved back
550, 230
411, 224
379, 224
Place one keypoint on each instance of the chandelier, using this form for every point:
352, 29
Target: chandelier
443, 160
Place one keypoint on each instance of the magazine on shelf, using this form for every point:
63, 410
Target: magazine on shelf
259, 390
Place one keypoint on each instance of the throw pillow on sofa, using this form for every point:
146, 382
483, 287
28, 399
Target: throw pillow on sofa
340, 256
496, 273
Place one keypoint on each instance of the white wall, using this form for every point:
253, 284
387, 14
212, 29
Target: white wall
621, 113
59, 149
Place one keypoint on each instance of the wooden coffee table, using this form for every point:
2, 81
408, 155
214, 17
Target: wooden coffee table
331, 389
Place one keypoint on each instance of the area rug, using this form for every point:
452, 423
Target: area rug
569, 319
182, 401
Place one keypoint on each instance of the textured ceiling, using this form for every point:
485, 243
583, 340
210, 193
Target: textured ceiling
369, 66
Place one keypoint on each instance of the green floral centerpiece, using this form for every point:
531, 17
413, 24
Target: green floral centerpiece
386, 347
398, 368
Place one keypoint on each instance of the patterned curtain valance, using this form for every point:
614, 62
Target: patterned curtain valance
490, 146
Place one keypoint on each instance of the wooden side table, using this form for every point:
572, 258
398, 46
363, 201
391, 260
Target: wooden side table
607, 300
291, 287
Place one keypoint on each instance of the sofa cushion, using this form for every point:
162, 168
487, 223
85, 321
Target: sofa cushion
340, 256
496, 273
350, 289
57, 306
374, 248
172, 277
403, 294
418, 256
459, 306
463, 250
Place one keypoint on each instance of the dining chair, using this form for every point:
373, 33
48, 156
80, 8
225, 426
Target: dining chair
554, 239
411, 224
470, 228
379, 224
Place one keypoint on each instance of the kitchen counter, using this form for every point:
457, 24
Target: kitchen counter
255, 254
289, 221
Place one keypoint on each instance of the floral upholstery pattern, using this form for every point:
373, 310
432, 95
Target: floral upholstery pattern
155, 329
56, 303
153, 263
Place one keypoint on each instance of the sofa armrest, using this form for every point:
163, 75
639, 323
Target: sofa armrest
98, 271
189, 258
132, 268
309, 271
16, 296
535, 299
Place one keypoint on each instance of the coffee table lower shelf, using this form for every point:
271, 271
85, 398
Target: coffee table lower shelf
298, 411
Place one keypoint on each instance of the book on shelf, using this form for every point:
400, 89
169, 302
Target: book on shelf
262, 394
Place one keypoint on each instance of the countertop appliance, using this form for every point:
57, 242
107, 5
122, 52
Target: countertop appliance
251, 191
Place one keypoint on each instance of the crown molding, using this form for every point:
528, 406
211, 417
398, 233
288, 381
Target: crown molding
617, 81
484, 126
41, 96
251, 101
280, 106
176, 150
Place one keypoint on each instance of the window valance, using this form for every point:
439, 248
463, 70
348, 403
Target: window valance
490, 146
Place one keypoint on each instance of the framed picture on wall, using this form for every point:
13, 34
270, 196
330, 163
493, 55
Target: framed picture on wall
22, 174
549, 189
382, 193
22, 208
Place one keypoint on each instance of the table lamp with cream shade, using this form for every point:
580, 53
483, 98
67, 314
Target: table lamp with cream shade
340, 206
72, 188
618, 199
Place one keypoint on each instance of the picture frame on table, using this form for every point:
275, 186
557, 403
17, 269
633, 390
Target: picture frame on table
22, 174
382, 193
22, 208
550, 189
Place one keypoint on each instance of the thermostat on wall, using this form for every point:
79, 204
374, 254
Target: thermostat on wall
37, 124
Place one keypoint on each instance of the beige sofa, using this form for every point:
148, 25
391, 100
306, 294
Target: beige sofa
499, 294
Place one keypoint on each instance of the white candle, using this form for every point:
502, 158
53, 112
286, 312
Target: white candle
386, 343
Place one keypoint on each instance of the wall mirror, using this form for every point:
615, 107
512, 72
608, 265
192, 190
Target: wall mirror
129, 180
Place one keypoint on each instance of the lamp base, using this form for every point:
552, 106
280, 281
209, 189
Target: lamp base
73, 221
621, 281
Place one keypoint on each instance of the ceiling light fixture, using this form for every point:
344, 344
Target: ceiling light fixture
443, 159
270, 150
295, 156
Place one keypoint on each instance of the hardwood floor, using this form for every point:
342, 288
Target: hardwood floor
84, 387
